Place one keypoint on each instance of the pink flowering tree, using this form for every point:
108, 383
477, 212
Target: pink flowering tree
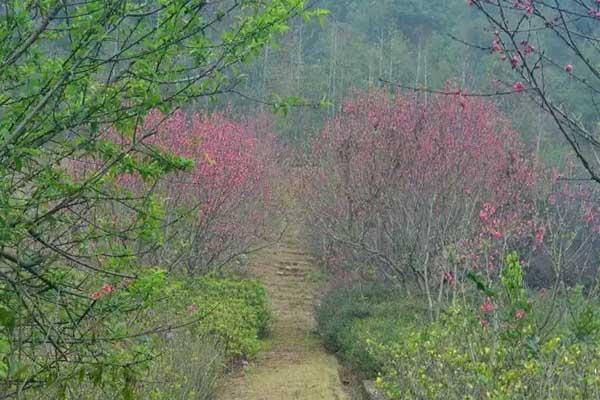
216, 210
419, 191
564, 250
551, 47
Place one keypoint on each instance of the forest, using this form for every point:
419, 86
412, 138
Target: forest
299, 199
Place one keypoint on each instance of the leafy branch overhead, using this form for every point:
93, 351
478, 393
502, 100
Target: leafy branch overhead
77, 80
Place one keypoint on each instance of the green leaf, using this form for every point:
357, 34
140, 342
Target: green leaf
3, 370
4, 346
7, 319
17, 370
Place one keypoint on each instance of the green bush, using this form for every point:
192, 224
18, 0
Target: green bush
189, 368
232, 316
236, 312
349, 319
456, 357
496, 341
205, 323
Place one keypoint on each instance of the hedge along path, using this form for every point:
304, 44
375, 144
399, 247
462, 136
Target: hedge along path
293, 363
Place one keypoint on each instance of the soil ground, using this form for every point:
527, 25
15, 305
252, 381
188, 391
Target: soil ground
293, 363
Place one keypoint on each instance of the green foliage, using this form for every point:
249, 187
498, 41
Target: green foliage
77, 209
235, 312
349, 319
491, 343
193, 329
457, 358
513, 282
190, 368
231, 315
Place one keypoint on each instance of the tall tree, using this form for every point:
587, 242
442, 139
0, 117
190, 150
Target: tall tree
77, 79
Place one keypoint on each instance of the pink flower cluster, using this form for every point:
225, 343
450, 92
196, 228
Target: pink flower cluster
520, 314
229, 185
106, 289
487, 307
527, 47
525, 5
540, 234
492, 224
408, 165
519, 87
594, 13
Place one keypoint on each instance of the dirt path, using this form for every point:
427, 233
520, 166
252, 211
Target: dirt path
293, 363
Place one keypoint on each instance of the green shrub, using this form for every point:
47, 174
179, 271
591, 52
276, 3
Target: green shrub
236, 312
189, 368
349, 319
456, 357
496, 341
205, 323
497, 348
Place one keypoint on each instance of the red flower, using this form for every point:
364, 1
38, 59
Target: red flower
104, 290
449, 277
487, 307
518, 87
520, 314
539, 235
97, 295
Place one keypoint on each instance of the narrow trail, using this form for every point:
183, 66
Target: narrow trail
293, 363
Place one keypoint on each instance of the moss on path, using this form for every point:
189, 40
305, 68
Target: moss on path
293, 363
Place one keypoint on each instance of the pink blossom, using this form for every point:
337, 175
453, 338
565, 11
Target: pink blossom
229, 185
520, 314
514, 61
487, 307
518, 87
594, 14
449, 277
476, 150
526, 5
589, 216
539, 234
527, 47
104, 290
487, 211
569, 68
97, 295
496, 45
